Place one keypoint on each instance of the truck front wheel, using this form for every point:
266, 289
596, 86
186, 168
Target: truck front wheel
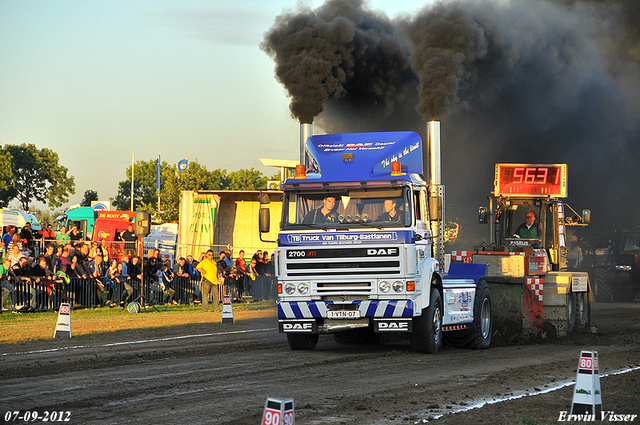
426, 336
302, 341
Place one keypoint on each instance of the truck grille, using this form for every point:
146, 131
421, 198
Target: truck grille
343, 268
342, 274
344, 291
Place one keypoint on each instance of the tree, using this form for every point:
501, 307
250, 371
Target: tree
89, 195
246, 180
37, 175
6, 178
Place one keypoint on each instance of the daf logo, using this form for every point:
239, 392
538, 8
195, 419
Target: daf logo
382, 251
297, 326
394, 325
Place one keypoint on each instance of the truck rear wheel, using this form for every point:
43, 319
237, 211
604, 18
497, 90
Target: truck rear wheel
479, 336
482, 320
426, 336
302, 341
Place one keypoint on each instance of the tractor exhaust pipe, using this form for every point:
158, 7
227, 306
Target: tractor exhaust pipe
306, 131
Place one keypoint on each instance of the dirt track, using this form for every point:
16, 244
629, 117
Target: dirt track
223, 373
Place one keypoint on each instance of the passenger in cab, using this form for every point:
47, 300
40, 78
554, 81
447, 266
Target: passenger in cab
390, 213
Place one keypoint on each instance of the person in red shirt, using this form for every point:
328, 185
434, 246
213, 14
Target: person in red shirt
241, 273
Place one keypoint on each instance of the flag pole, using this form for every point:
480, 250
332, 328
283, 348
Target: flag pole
132, 177
158, 181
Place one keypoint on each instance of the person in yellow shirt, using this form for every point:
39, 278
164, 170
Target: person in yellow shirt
209, 271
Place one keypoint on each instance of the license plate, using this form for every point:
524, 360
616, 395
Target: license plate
343, 314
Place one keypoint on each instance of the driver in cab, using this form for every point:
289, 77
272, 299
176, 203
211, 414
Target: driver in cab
528, 229
390, 213
324, 214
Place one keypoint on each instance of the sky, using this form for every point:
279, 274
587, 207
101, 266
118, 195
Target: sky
96, 80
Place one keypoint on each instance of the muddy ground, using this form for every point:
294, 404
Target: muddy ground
223, 374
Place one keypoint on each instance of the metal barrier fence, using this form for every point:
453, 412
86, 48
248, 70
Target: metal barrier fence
92, 293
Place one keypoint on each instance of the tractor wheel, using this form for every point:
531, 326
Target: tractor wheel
603, 286
570, 317
580, 310
302, 341
426, 336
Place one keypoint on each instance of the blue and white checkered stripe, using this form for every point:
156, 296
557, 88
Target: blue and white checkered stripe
318, 309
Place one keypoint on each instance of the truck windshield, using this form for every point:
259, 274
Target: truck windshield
346, 208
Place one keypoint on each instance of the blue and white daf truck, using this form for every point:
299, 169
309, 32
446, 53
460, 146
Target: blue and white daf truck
361, 250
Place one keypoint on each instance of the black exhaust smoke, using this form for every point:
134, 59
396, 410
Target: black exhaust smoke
339, 51
512, 81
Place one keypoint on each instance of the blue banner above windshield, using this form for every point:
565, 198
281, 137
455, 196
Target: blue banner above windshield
362, 156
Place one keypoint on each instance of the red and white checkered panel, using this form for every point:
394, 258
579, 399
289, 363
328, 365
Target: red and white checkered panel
466, 256
462, 256
535, 285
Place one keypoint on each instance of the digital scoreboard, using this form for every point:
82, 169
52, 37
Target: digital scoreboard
531, 180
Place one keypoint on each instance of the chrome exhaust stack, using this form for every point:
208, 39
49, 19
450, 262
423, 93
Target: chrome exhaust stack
436, 192
306, 131
433, 141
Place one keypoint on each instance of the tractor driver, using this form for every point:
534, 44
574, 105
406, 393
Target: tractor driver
324, 214
528, 229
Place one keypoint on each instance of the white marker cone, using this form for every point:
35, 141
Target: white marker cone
278, 412
586, 395
63, 325
227, 310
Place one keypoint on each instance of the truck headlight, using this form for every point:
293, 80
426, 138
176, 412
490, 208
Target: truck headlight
623, 268
384, 286
289, 288
398, 286
303, 288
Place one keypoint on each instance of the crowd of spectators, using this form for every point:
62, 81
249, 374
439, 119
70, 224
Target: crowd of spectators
42, 269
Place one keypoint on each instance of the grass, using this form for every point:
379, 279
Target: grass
38, 326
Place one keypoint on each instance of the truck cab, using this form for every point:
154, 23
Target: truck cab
82, 217
357, 249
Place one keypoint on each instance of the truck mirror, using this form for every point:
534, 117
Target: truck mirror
264, 220
586, 216
483, 215
264, 199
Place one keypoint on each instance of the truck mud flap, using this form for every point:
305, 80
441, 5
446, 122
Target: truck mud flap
392, 325
298, 326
